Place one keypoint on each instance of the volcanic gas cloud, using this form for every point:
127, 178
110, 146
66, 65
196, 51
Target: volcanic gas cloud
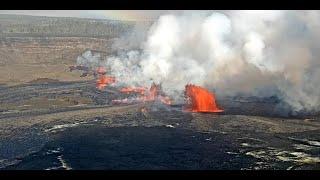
252, 53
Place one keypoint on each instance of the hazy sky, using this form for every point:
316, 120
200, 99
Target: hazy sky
99, 14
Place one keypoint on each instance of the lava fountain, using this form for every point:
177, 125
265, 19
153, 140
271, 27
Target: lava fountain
200, 99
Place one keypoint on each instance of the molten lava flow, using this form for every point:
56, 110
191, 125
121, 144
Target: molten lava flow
200, 100
127, 90
103, 79
153, 94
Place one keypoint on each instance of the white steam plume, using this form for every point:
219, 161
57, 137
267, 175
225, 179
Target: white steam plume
259, 53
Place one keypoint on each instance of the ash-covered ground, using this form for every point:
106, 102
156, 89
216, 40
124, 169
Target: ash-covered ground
48, 125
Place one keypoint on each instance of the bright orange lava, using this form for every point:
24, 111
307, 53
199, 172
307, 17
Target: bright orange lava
200, 100
103, 81
127, 90
152, 94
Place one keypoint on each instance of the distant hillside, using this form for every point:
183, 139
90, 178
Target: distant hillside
37, 26
33, 47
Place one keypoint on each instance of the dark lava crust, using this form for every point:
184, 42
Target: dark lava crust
71, 125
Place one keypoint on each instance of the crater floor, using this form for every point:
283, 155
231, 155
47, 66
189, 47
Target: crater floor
71, 125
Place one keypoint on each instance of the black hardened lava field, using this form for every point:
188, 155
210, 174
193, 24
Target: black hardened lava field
73, 128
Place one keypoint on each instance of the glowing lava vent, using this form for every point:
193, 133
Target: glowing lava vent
200, 99
146, 95
103, 79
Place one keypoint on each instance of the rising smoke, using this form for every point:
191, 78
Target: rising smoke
259, 53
